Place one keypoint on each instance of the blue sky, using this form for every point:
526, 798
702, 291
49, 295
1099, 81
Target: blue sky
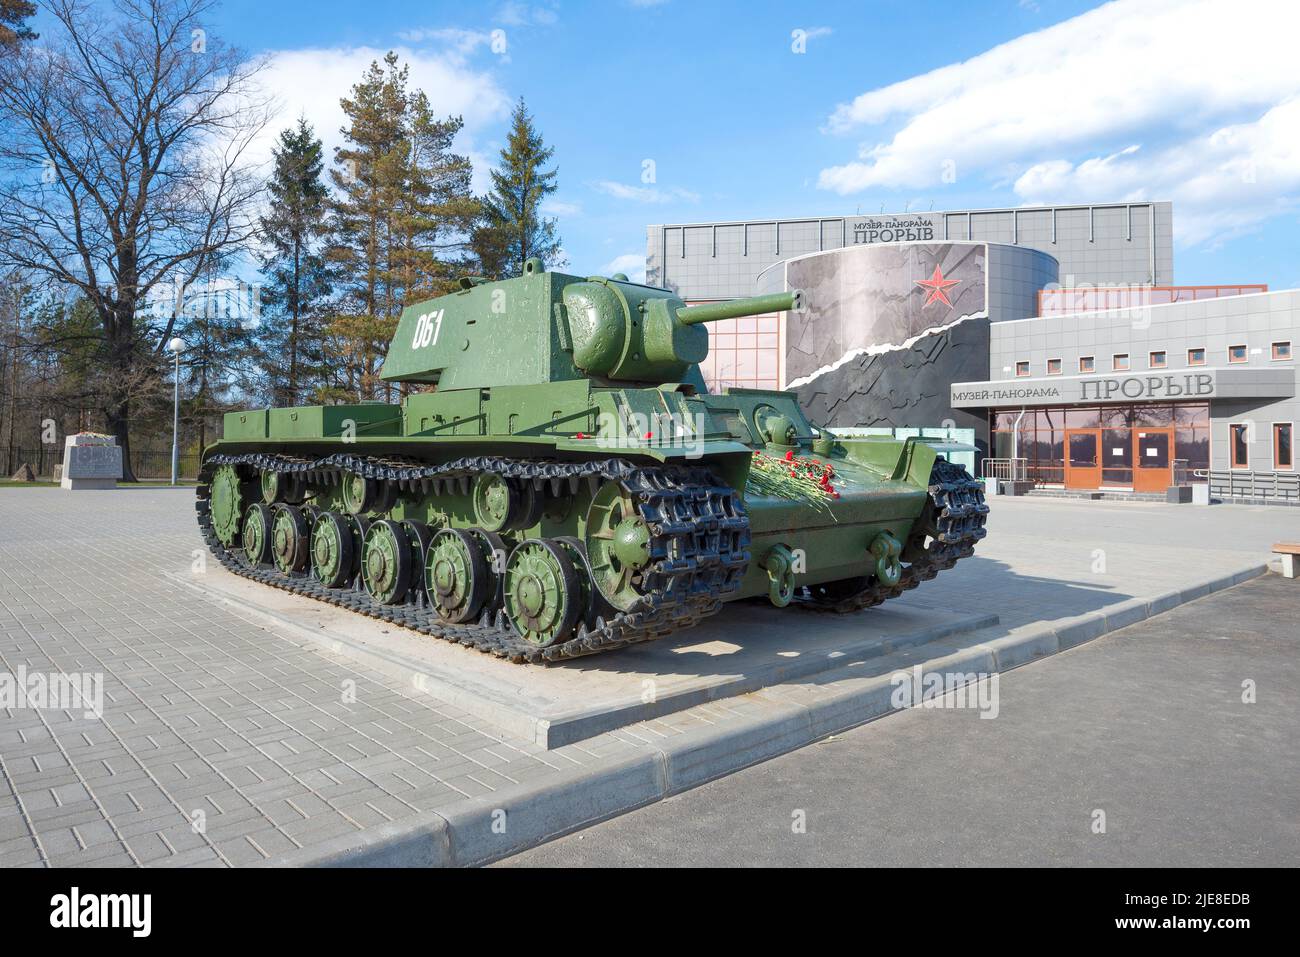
1026, 101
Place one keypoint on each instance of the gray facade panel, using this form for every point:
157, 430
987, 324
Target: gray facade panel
1116, 244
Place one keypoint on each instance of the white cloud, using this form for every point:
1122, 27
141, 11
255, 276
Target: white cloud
310, 82
645, 194
816, 33
630, 264
555, 207
480, 179
459, 43
517, 14
1170, 99
1222, 182
463, 42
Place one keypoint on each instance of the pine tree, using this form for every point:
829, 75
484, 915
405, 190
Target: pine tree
368, 179
297, 276
513, 228
401, 221
437, 211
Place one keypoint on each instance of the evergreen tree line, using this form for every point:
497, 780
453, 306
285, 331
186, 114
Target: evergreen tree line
396, 223
344, 243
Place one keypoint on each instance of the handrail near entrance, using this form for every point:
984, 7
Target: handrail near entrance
1273, 487
1005, 470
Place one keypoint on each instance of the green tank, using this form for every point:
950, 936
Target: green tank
559, 481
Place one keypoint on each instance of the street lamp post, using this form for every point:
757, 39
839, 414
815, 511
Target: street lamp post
176, 347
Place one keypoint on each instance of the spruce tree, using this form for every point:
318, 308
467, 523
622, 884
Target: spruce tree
513, 228
293, 265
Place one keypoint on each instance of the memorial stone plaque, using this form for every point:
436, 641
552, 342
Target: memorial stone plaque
91, 461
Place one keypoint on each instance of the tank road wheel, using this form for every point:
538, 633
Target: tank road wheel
543, 596
618, 545
256, 534
386, 562
281, 488
532, 503
333, 550
497, 554
387, 497
226, 500
495, 502
420, 536
290, 538
457, 575
360, 494
270, 486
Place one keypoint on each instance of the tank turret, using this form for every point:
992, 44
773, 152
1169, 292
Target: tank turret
635, 333
549, 327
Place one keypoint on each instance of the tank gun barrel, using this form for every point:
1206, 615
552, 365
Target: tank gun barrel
734, 308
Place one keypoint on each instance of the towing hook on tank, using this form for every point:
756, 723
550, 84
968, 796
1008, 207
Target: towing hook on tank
887, 549
779, 564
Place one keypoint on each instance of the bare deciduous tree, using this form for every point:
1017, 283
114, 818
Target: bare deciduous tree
124, 165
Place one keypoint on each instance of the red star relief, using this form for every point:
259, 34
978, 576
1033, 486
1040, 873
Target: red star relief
937, 286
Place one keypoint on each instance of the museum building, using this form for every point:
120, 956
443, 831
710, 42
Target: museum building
1056, 334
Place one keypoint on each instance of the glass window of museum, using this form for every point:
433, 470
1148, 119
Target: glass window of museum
1042, 437
1043, 440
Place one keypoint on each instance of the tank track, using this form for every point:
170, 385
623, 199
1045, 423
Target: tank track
699, 546
953, 521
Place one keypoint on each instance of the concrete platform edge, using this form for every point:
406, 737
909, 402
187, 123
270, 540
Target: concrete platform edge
533, 814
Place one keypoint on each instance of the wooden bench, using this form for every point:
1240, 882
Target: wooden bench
1288, 551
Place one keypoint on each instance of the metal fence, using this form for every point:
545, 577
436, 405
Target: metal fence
150, 465
1281, 488
42, 459
147, 464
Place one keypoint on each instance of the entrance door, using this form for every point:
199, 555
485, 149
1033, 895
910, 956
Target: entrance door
1082, 458
1153, 459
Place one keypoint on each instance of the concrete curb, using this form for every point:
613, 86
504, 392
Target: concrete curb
570, 727
485, 829
556, 729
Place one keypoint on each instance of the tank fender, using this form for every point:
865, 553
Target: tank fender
906, 460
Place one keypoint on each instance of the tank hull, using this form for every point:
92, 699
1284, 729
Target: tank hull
643, 509
571, 486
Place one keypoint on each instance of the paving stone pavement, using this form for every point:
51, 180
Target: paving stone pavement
275, 746
205, 714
